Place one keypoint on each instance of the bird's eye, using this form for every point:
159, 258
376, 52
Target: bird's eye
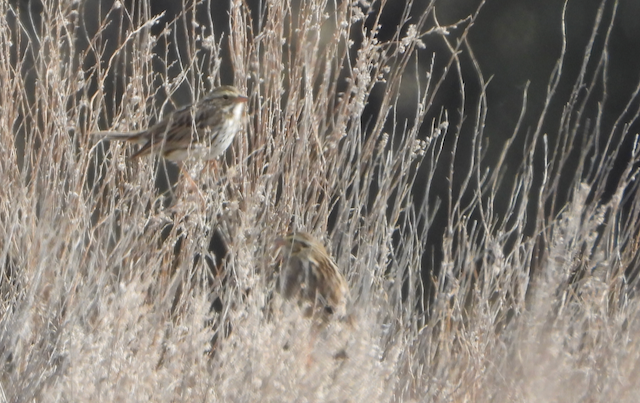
225, 96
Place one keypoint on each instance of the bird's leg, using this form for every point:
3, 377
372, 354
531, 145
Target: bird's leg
212, 165
192, 183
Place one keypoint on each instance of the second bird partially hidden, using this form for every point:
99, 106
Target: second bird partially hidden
310, 275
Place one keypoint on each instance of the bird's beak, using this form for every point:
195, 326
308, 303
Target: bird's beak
242, 99
278, 249
279, 243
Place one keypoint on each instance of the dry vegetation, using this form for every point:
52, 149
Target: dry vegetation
108, 278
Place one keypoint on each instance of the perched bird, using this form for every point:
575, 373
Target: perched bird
203, 130
310, 275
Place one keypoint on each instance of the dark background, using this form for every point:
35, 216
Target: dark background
515, 42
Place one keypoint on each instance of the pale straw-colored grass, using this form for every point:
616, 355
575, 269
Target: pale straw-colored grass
108, 277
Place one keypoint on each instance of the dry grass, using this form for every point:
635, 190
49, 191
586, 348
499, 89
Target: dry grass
108, 278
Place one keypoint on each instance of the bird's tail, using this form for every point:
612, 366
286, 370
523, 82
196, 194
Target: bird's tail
134, 137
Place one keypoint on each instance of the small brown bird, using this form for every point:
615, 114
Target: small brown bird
310, 275
203, 130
